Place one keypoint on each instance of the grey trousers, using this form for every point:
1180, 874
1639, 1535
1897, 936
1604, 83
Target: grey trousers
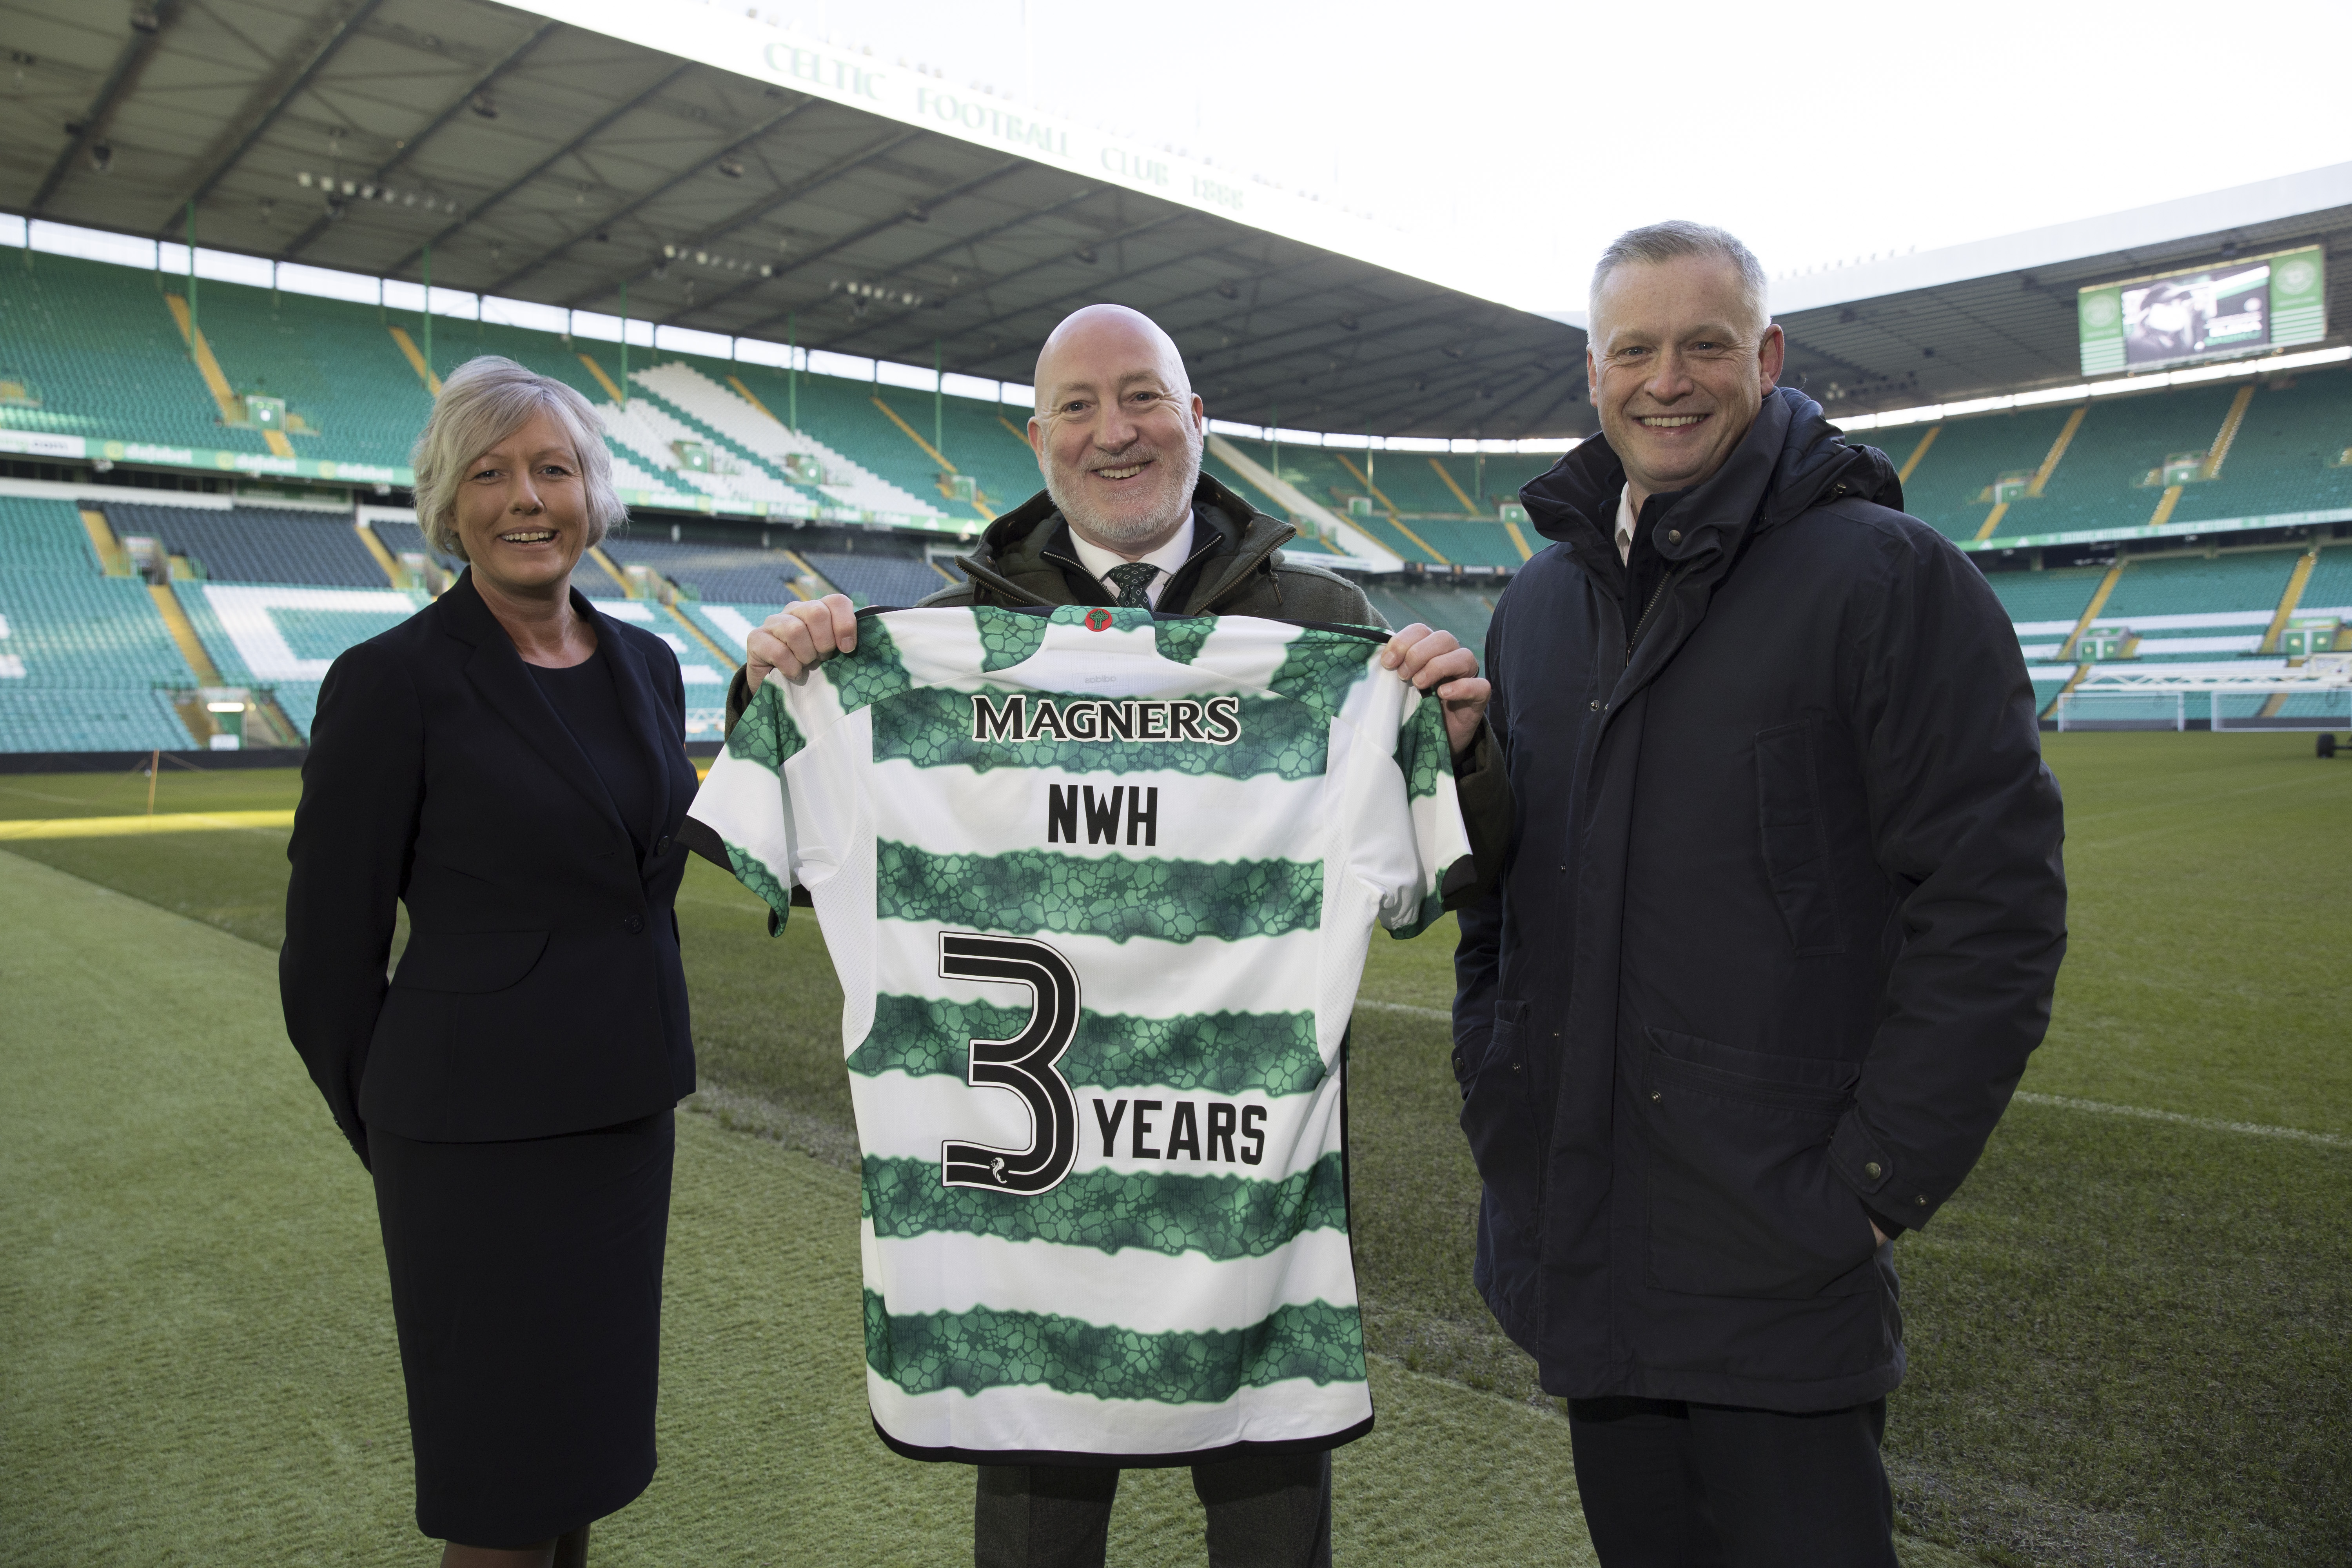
1265, 1512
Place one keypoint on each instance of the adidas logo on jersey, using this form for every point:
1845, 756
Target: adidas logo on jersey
1215, 720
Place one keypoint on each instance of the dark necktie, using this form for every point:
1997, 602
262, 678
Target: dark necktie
1131, 580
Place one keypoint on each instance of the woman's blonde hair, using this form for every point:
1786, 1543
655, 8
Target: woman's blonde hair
487, 400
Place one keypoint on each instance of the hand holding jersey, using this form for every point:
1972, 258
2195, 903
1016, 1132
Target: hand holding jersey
1098, 1079
1437, 664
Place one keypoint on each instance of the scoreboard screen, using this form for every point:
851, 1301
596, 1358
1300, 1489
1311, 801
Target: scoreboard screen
2212, 312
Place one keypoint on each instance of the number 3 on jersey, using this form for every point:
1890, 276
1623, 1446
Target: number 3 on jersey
1023, 1064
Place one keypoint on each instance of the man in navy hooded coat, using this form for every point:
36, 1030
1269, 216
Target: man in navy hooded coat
1777, 930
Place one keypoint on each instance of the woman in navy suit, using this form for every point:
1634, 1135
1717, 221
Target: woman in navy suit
509, 763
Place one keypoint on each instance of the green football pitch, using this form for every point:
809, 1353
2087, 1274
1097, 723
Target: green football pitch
2129, 1333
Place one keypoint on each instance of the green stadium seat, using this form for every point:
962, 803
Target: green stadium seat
256, 544
1464, 543
351, 395
2100, 483
894, 581
2246, 582
406, 539
982, 440
729, 574
2330, 585
97, 346
86, 660
2045, 598
1464, 611
2288, 455
2192, 608
1950, 487
44, 536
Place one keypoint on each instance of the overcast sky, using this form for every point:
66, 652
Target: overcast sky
1531, 133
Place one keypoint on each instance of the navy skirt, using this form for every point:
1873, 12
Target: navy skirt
526, 1285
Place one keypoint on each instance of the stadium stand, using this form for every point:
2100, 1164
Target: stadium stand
650, 473
43, 537
990, 443
737, 468
2046, 602
2329, 588
2283, 453
880, 579
1505, 474
281, 637
700, 390
1463, 542
1442, 533
984, 442
349, 394
1309, 543
2289, 454
399, 538
2103, 481
711, 571
653, 433
97, 352
1464, 612
1951, 482
2246, 581
87, 661
2197, 606
2046, 608
256, 544
841, 416
1413, 484
1403, 538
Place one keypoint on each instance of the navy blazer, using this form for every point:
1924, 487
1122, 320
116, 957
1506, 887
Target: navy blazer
540, 991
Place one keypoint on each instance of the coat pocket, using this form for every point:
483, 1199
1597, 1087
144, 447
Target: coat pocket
1742, 1201
1498, 1118
1794, 840
472, 962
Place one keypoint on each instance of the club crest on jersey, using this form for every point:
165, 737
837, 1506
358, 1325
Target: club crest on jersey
1214, 719
1098, 620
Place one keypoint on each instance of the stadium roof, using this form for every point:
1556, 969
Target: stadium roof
555, 162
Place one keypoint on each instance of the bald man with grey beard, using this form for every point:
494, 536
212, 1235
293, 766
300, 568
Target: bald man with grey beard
1127, 519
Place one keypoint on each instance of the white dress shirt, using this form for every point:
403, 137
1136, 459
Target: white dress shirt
1169, 558
1626, 518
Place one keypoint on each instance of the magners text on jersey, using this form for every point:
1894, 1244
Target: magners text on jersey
1215, 720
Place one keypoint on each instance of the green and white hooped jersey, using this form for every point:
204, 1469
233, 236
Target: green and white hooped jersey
1097, 886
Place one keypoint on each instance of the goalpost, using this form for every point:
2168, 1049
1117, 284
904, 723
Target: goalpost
2316, 695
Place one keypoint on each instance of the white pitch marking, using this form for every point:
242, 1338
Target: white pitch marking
2209, 1124
2061, 1102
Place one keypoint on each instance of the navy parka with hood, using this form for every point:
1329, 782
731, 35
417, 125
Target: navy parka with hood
1777, 930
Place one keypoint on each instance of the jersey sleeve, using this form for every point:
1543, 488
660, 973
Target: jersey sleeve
1431, 821
745, 804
